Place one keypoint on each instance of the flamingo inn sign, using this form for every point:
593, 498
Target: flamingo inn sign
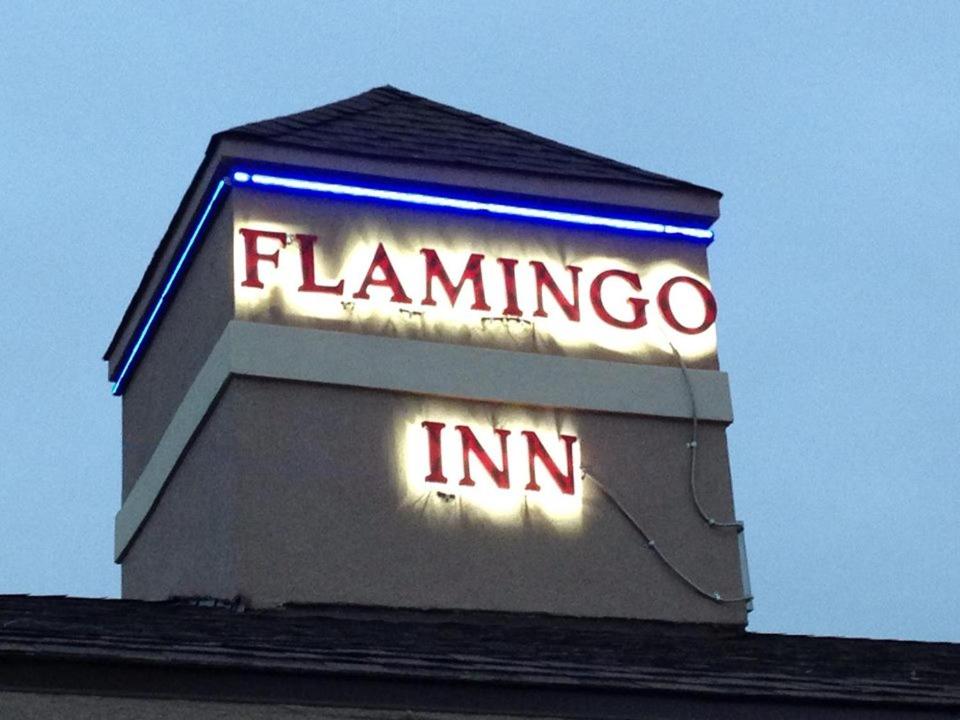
466, 289
455, 289
536, 280
497, 380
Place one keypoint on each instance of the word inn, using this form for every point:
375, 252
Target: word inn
525, 459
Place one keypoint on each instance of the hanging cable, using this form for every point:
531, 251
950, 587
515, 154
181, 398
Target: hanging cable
607, 493
693, 444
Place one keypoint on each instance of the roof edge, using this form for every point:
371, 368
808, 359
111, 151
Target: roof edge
159, 249
384, 95
674, 185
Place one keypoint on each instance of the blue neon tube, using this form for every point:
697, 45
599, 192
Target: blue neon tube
148, 326
410, 198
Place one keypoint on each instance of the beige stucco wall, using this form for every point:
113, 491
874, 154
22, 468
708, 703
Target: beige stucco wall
320, 511
191, 546
202, 306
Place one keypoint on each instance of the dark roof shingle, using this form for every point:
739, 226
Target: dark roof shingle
386, 122
484, 647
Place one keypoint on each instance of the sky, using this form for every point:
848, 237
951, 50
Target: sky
833, 130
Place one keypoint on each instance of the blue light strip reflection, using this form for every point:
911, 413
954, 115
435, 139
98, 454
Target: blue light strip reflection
409, 198
147, 327
473, 206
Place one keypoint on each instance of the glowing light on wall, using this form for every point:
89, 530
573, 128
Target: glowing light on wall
612, 292
496, 497
149, 325
687, 307
502, 209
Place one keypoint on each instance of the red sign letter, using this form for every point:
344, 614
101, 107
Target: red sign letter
709, 305
510, 286
308, 268
382, 263
536, 450
544, 279
471, 273
435, 453
638, 305
250, 237
501, 476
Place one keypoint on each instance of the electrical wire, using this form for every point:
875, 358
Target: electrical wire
692, 445
607, 493
707, 518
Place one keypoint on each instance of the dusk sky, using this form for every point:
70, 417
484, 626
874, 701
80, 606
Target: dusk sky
833, 130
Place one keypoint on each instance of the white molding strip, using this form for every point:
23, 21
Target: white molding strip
426, 368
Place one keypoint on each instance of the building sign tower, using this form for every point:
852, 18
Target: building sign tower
392, 353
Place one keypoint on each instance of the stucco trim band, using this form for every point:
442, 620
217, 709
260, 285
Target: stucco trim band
426, 368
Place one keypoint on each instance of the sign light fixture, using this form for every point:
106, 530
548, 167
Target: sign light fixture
502, 209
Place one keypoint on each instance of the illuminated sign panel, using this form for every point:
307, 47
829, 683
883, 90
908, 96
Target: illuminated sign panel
442, 277
501, 466
436, 280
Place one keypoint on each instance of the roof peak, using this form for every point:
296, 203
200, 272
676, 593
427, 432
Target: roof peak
391, 123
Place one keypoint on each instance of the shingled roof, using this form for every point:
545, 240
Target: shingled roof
386, 122
479, 650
